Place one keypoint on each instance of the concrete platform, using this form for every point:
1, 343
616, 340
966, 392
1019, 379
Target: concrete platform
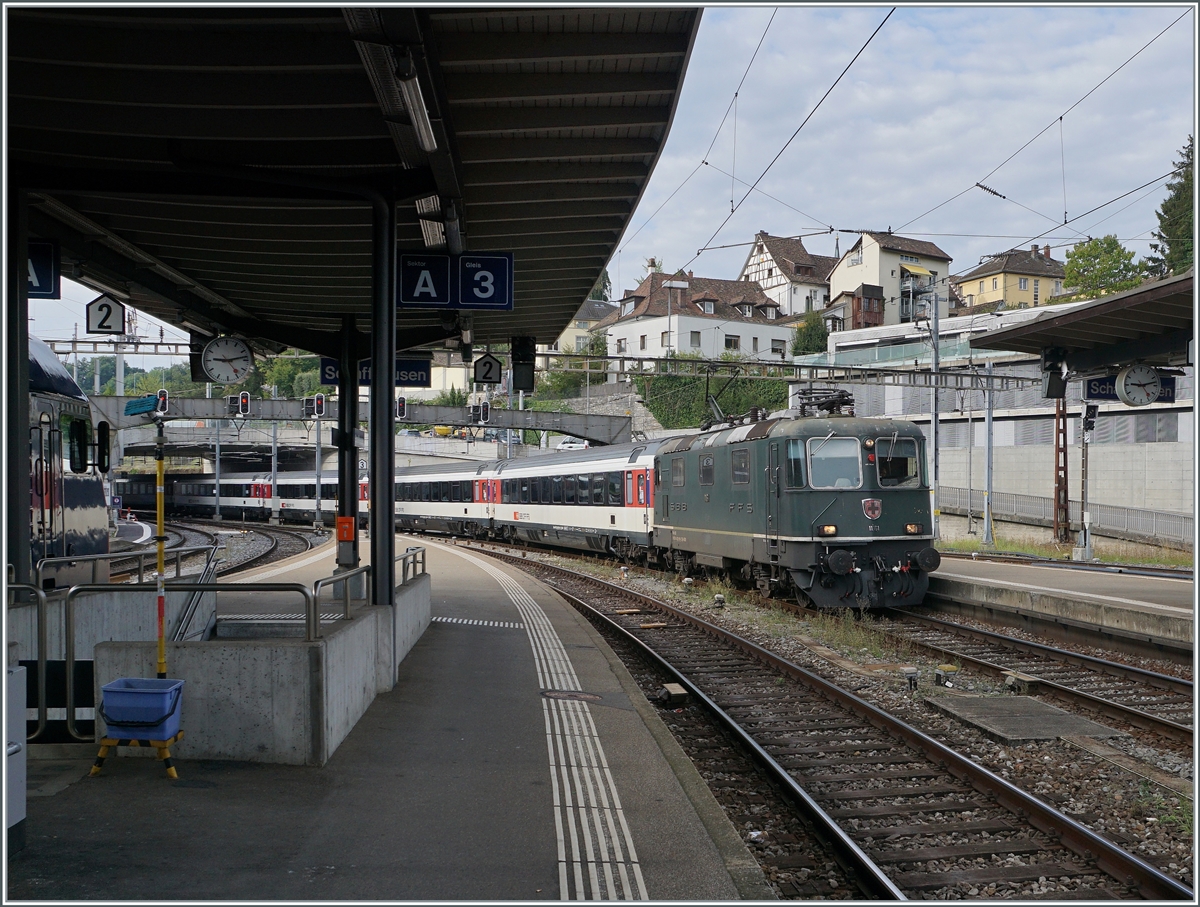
462, 783
1140, 608
1017, 719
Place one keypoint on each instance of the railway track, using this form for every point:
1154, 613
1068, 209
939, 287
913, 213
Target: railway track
1148, 700
905, 815
279, 544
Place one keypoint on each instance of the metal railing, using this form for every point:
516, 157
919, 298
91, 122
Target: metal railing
312, 620
1129, 521
41, 650
174, 554
412, 563
364, 571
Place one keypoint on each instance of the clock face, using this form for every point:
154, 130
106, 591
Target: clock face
1138, 385
226, 360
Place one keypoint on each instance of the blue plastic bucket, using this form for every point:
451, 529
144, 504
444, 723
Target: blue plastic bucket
136, 708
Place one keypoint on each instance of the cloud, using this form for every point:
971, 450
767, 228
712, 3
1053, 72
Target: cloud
936, 102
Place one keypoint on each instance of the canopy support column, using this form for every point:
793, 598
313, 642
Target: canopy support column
383, 437
17, 385
347, 496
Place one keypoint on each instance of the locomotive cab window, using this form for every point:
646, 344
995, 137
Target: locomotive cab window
795, 464
707, 468
898, 463
740, 461
834, 463
77, 443
677, 474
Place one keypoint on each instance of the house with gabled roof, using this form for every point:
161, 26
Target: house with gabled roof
674, 314
911, 273
1016, 279
788, 273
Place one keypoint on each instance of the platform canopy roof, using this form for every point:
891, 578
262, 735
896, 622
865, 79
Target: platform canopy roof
204, 161
1152, 323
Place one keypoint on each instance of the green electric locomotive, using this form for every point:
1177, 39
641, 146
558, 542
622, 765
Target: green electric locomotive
832, 509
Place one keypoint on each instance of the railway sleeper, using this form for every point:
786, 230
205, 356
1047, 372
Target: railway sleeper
884, 793
908, 809
963, 851
1030, 872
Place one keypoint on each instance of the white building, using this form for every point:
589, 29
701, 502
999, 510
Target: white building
789, 274
675, 315
910, 272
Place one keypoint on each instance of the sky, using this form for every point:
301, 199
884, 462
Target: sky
940, 97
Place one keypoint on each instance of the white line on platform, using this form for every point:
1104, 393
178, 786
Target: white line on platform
479, 623
585, 794
1065, 593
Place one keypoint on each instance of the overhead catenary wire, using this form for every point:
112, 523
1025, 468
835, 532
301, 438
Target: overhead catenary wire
1048, 126
792, 138
716, 135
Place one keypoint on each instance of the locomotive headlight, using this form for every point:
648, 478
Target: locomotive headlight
914, 528
831, 529
869, 443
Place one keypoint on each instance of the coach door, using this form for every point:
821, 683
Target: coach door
774, 491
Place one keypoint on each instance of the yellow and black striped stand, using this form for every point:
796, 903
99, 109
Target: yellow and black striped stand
163, 747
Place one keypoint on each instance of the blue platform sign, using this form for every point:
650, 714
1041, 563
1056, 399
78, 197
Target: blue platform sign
410, 372
473, 281
44, 269
1105, 388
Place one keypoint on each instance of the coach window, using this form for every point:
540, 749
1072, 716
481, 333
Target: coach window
425, 492
898, 463
707, 468
556, 490
535, 496
584, 496
629, 486
455, 492
598, 489
505, 494
568, 489
641, 489
677, 474
445, 492
466, 487
741, 466
795, 464
834, 463
545, 489
524, 491
614, 490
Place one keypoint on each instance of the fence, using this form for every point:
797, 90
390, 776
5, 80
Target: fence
1124, 522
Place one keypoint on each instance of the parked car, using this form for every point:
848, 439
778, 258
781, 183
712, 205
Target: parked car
569, 443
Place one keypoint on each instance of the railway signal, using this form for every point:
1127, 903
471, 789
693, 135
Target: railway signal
485, 411
401, 408
319, 405
244, 403
160, 405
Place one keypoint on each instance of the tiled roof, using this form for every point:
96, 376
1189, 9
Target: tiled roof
1025, 262
894, 243
651, 300
594, 310
789, 252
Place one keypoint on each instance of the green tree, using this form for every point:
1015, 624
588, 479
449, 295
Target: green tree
603, 288
811, 335
1097, 267
177, 379
281, 373
1175, 250
454, 396
307, 383
558, 383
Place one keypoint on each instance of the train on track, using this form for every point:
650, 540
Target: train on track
831, 509
68, 516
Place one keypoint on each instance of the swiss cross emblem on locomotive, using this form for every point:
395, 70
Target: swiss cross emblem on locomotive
872, 507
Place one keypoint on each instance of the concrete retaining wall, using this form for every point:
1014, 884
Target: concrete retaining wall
99, 617
280, 700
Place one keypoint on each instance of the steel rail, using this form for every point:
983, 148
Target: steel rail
1181, 733
872, 880
1106, 855
1033, 560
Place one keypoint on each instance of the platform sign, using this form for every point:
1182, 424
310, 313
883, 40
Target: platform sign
473, 281
105, 316
410, 372
488, 370
1105, 388
44, 269
116, 501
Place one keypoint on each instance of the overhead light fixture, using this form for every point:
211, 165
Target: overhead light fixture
105, 285
414, 102
207, 332
454, 243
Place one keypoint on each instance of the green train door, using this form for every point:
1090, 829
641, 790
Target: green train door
774, 490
